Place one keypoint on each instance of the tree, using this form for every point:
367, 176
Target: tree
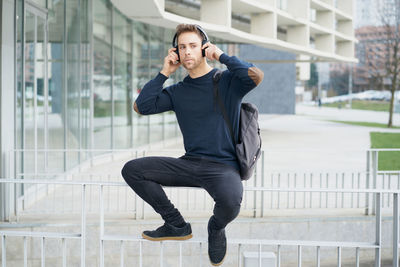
383, 54
339, 81
313, 81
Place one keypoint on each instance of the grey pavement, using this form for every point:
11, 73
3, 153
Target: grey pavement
346, 114
307, 141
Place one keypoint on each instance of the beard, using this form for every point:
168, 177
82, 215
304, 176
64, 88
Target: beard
192, 64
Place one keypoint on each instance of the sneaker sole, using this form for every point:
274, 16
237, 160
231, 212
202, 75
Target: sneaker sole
186, 237
217, 264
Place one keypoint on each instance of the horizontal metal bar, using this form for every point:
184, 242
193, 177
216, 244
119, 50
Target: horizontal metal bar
269, 173
247, 188
383, 149
40, 234
388, 172
255, 242
267, 61
168, 149
325, 190
95, 150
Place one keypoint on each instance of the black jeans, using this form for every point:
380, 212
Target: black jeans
146, 176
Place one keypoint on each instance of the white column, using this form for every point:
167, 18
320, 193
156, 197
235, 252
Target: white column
345, 48
216, 11
272, 3
345, 27
330, 2
299, 35
346, 6
299, 8
326, 19
264, 24
325, 43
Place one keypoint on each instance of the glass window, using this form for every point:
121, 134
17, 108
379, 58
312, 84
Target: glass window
19, 85
140, 77
170, 124
85, 72
29, 80
55, 111
73, 90
157, 54
102, 75
122, 88
55, 78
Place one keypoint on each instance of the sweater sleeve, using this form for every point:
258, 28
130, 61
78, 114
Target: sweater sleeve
153, 98
248, 75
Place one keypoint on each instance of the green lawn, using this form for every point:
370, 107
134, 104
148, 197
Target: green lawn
387, 160
363, 104
368, 124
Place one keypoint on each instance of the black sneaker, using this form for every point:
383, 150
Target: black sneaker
216, 245
169, 232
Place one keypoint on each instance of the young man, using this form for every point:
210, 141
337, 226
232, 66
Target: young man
210, 161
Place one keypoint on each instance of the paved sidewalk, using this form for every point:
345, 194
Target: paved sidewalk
346, 114
308, 142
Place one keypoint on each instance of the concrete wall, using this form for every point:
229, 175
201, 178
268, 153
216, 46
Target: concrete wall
276, 93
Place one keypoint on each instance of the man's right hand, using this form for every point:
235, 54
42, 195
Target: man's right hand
171, 63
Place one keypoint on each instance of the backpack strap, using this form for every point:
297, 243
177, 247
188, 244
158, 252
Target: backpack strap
216, 78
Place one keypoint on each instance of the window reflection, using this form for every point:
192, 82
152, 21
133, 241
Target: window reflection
102, 75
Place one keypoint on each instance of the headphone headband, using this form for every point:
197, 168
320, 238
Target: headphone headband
202, 32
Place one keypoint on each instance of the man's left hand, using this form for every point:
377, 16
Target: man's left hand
212, 51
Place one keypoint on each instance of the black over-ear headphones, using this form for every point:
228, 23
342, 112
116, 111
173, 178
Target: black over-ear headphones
205, 40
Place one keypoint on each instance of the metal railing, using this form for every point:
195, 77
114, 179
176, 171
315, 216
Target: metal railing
257, 203
279, 243
46, 235
283, 192
372, 174
54, 199
299, 244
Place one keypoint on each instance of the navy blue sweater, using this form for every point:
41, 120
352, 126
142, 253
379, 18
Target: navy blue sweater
205, 133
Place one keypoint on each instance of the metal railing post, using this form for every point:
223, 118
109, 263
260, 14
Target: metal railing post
255, 192
378, 229
122, 263
25, 252
395, 262
374, 176
83, 227
3, 251
357, 257
367, 185
299, 260
262, 184
64, 252
101, 227
43, 252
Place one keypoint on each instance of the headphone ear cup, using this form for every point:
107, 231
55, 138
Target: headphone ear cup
177, 52
203, 51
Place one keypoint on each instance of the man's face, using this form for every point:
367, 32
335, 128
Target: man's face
189, 44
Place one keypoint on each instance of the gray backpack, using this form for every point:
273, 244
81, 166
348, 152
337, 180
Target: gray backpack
248, 147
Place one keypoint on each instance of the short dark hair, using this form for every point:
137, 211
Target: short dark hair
182, 28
